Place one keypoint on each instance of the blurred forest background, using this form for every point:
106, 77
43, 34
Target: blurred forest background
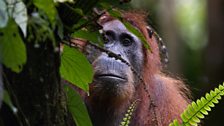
193, 31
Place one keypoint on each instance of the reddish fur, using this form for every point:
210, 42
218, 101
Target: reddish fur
169, 94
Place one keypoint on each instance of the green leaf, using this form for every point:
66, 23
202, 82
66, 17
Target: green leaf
208, 97
115, 13
221, 87
222, 93
183, 117
211, 104
203, 100
194, 105
12, 48
192, 123
200, 115
212, 93
207, 108
104, 4
199, 103
48, 7
138, 34
94, 37
204, 111
190, 110
77, 108
79, 11
187, 114
176, 123
75, 68
218, 97
80, 23
215, 101
195, 119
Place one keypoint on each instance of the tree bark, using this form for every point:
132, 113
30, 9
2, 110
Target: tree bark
214, 56
37, 91
166, 18
214, 53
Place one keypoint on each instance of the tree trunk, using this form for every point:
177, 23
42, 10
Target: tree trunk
169, 32
214, 52
214, 56
37, 91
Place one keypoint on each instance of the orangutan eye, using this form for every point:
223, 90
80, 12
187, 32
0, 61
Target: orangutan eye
108, 36
126, 40
105, 39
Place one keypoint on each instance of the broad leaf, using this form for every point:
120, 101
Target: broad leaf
75, 68
48, 7
12, 48
77, 108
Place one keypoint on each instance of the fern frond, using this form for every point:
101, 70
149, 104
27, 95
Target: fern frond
174, 123
196, 110
127, 117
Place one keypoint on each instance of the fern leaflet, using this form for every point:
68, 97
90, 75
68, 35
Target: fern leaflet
196, 110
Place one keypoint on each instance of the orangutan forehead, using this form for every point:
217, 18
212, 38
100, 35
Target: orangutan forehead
114, 25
